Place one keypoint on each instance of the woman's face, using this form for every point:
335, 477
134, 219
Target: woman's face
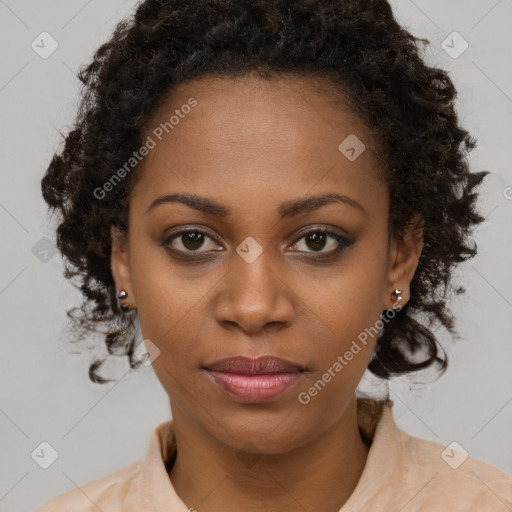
255, 276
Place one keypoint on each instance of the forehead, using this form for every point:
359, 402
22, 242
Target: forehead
247, 134
287, 104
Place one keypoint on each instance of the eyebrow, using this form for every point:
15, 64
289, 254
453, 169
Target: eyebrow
286, 209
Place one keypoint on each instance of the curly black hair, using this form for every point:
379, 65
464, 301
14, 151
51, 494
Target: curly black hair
359, 48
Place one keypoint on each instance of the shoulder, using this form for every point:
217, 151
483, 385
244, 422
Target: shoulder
447, 476
404, 472
111, 492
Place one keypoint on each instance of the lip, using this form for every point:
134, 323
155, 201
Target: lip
254, 380
248, 366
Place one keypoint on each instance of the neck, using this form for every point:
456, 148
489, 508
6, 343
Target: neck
322, 474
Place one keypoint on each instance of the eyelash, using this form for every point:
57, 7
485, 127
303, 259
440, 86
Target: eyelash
343, 242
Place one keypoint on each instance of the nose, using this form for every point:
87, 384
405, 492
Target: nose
255, 296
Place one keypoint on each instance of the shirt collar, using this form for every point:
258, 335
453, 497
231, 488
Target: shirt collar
376, 425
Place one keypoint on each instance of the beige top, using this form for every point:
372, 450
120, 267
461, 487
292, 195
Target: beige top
402, 473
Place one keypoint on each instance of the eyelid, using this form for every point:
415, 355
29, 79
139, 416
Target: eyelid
176, 234
322, 229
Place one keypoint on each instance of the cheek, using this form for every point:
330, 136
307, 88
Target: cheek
162, 294
350, 298
342, 357
172, 304
163, 299
348, 306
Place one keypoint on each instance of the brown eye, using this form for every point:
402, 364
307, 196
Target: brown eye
189, 241
192, 241
316, 241
319, 239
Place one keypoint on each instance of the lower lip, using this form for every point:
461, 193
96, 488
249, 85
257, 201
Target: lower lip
255, 388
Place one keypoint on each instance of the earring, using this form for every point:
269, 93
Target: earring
122, 295
398, 294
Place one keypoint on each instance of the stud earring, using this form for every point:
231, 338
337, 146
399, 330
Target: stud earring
398, 294
122, 295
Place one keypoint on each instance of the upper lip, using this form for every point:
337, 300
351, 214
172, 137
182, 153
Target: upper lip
262, 365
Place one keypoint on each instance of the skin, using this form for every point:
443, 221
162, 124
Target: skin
251, 145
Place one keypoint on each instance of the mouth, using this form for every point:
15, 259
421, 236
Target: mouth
254, 380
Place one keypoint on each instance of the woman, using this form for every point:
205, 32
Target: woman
275, 191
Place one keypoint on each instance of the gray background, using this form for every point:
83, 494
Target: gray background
45, 394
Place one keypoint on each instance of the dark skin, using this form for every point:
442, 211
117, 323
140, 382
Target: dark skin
252, 145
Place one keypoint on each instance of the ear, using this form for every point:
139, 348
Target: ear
119, 262
404, 257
